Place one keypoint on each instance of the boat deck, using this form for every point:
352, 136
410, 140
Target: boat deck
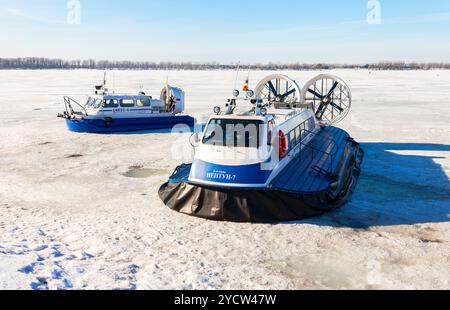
309, 172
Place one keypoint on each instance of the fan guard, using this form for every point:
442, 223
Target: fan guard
330, 98
279, 91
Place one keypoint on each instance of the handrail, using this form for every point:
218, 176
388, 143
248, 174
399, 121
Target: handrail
329, 155
68, 104
293, 113
332, 141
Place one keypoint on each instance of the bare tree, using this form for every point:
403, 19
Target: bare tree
34, 63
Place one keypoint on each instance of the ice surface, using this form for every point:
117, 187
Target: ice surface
82, 211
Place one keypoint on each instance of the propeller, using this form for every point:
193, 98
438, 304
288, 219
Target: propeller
278, 90
330, 96
172, 99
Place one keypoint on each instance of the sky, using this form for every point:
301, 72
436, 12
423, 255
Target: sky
227, 31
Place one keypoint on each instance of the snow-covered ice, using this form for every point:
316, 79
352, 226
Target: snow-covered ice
82, 211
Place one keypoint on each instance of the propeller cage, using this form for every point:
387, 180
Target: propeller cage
330, 98
173, 98
327, 95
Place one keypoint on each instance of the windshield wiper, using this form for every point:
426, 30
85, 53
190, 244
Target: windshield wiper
211, 136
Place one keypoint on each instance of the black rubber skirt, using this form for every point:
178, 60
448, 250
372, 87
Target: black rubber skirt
270, 205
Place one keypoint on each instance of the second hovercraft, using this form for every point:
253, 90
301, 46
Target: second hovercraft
106, 112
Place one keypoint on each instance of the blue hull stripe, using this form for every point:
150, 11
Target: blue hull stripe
245, 174
128, 124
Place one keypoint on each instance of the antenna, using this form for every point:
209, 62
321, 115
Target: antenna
247, 81
104, 78
114, 82
237, 74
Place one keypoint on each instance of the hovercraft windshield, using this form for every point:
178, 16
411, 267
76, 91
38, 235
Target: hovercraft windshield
234, 133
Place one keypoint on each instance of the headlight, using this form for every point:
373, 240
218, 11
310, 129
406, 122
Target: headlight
250, 93
235, 93
217, 110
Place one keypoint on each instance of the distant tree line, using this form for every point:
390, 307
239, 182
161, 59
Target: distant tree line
46, 63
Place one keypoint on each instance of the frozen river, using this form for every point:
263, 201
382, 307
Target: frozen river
82, 211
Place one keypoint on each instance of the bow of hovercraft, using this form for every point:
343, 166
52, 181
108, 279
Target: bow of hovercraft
233, 159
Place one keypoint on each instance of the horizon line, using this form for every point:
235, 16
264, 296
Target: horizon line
191, 62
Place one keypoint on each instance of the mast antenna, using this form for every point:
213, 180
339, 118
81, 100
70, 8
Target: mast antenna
247, 82
237, 74
114, 82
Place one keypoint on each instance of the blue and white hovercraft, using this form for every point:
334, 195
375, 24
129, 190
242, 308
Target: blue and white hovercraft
106, 112
278, 160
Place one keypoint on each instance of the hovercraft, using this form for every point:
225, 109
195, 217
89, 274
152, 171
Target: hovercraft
106, 112
279, 160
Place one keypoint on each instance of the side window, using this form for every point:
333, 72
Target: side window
126, 103
297, 134
90, 102
303, 132
270, 133
110, 103
292, 139
311, 124
143, 102
97, 104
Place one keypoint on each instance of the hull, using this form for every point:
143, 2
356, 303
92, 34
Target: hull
249, 176
301, 190
127, 124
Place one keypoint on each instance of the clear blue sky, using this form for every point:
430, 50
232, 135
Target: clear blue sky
228, 30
